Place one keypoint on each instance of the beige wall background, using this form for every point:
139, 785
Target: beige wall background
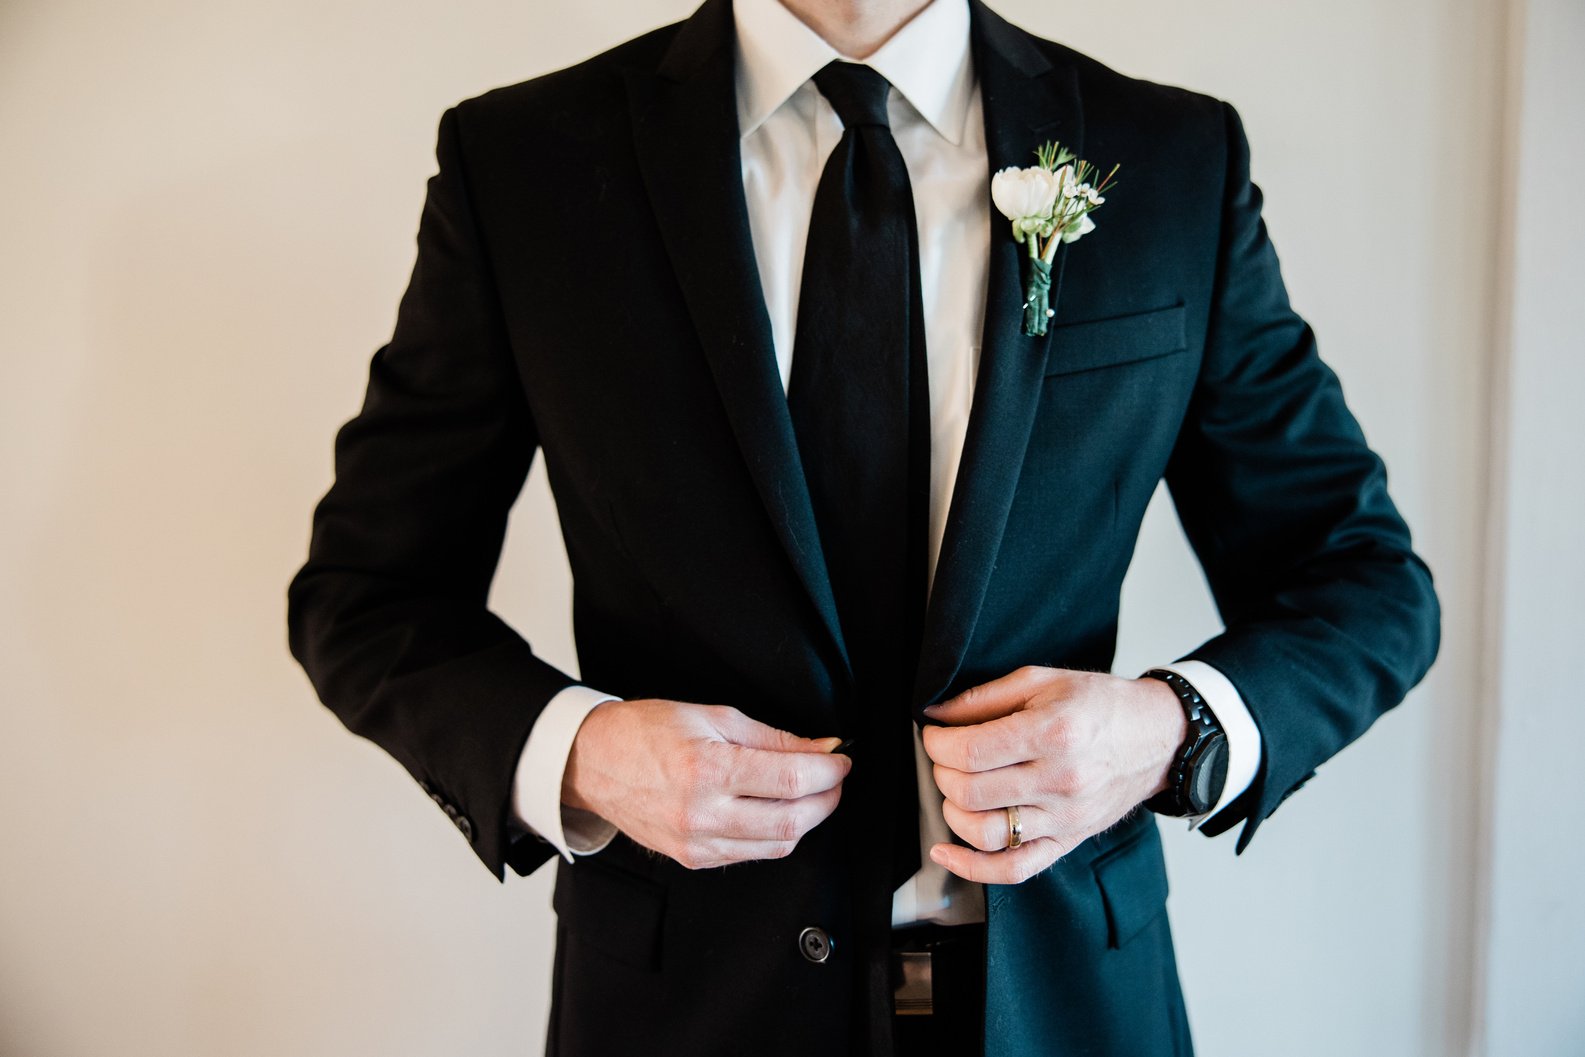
207, 214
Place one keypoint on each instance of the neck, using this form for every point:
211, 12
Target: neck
856, 28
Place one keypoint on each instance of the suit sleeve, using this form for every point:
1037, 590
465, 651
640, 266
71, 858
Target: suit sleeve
1330, 617
388, 615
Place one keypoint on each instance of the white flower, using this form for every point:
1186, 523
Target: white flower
1025, 196
1083, 227
1071, 188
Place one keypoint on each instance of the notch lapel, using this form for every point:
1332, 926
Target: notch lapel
1026, 100
685, 130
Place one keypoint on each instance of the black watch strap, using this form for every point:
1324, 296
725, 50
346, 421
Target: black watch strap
1199, 771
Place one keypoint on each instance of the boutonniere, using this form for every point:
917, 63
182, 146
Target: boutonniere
1049, 204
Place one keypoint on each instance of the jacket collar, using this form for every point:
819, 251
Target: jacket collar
926, 61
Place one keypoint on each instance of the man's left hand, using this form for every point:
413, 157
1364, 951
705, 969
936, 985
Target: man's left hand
1073, 751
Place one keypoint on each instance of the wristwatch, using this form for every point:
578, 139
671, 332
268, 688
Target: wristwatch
1199, 770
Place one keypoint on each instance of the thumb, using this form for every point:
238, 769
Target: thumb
988, 701
751, 733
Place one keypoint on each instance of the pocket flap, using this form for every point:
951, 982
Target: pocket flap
1092, 343
613, 910
1133, 882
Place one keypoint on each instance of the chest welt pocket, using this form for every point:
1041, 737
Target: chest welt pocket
1088, 344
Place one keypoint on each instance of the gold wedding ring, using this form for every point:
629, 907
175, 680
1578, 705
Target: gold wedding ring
1015, 828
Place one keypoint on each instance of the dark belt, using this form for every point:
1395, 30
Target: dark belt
938, 998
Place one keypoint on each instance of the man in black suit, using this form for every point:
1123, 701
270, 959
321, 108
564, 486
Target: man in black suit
847, 532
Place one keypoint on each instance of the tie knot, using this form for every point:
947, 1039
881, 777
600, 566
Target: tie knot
856, 92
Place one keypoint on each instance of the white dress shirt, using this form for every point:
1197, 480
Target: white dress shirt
787, 131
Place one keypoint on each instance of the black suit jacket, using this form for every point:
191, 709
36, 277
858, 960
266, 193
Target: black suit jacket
585, 286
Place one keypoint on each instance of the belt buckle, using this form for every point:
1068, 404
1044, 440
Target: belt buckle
913, 995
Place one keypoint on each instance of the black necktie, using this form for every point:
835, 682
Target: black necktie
859, 400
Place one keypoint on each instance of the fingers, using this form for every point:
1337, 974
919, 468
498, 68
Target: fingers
781, 775
702, 855
991, 831
741, 730
749, 792
740, 829
754, 818
989, 790
704, 784
988, 701
999, 742
1010, 867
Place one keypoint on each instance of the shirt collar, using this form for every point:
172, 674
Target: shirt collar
927, 61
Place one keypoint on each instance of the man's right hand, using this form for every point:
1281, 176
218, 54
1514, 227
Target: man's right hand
703, 784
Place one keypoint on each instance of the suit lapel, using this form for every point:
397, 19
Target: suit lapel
1026, 101
686, 133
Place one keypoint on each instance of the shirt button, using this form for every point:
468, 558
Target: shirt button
814, 944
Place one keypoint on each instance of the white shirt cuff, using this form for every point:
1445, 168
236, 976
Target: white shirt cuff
1243, 737
536, 785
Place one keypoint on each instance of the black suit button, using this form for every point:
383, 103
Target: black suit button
814, 944
466, 827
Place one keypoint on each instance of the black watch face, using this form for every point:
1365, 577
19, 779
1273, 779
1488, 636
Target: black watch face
1207, 775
